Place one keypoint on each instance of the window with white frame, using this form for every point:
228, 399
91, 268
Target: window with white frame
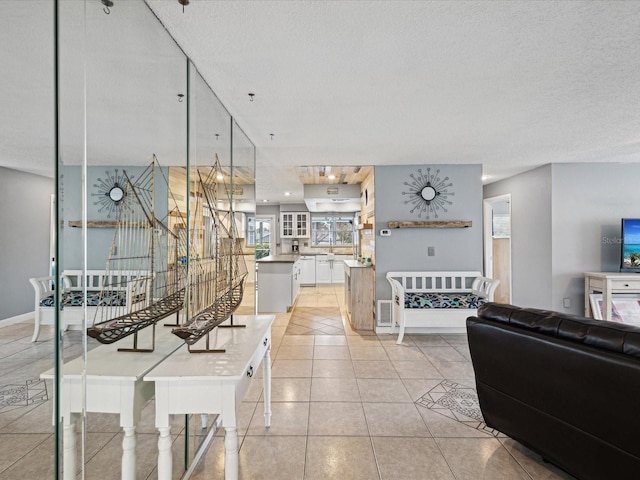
329, 229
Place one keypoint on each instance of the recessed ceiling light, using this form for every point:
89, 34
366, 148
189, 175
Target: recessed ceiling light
265, 200
332, 177
486, 177
286, 194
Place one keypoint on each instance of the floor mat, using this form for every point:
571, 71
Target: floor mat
315, 321
458, 402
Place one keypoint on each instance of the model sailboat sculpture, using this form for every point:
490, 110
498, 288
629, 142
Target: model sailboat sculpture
155, 270
145, 280
215, 283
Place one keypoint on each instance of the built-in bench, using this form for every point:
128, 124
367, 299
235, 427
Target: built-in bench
437, 302
117, 292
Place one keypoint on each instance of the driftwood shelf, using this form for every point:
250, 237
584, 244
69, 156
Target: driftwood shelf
106, 224
430, 224
365, 226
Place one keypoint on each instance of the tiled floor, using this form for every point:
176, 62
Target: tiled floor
346, 405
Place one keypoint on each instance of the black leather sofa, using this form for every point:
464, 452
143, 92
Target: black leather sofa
565, 386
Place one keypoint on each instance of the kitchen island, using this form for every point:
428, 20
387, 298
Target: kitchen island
278, 283
359, 294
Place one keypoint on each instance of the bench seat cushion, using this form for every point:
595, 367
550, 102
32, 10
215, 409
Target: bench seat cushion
442, 300
74, 298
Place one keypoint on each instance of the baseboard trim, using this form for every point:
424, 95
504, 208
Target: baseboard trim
18, 319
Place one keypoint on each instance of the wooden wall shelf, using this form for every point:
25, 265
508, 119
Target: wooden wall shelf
105, 224
365, 226
430, 224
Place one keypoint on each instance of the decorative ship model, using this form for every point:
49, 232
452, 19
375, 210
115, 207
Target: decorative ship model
216, 279
150, 261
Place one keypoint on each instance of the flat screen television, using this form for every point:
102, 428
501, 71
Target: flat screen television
630, 245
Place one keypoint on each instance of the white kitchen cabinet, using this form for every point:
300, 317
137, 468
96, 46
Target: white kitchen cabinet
337, 272
294, 224
330, 268
307, 270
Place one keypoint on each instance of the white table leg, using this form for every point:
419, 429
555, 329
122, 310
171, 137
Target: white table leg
266, 385
231, 453
129, 454
165, 460
69, 449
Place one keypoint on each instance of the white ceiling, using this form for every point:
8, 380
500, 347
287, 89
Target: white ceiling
511, 85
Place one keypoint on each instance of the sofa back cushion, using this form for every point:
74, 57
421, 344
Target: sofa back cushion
611, 336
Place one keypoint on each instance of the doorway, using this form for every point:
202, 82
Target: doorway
497, 244
263, 236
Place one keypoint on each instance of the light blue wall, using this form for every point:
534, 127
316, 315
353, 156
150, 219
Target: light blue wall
530, 235
24, 237
406, 249
589, 200
98, 239
566, 221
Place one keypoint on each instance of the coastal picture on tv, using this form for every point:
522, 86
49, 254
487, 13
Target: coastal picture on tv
630, 244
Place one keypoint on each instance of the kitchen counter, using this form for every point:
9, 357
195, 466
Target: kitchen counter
356, 264
286, 258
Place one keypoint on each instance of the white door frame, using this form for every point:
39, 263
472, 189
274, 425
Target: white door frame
488, 235
274, 228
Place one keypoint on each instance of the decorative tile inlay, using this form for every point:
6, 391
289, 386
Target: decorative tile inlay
31, 392
315, 321
458, 402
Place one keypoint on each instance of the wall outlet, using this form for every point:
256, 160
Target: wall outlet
566, 302
431, 251
385, 232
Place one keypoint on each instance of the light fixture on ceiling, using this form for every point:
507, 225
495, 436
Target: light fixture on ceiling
287, 194
183, 3
219, 177
331, 177
180, 97
271, 135
251, 95
265, 200
107, 4
217, 136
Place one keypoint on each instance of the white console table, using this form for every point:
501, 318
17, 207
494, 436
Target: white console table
608, 283
113, 385
213, 383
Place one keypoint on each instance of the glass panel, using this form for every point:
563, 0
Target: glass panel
243, 206
27, 182
123, 123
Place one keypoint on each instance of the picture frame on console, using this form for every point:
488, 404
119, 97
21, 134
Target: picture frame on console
624, 308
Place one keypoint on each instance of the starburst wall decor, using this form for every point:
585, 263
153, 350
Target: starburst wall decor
428, 193
111, 193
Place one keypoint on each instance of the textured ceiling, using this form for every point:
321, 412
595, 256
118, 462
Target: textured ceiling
511, 85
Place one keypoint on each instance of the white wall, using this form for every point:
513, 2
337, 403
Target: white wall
24, 237
530, 235
406, 249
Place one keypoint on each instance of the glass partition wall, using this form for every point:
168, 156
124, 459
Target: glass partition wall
150, 169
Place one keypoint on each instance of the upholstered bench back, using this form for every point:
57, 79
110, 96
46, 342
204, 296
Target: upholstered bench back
442, 300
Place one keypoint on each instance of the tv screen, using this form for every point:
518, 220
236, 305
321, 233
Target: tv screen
630, 254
